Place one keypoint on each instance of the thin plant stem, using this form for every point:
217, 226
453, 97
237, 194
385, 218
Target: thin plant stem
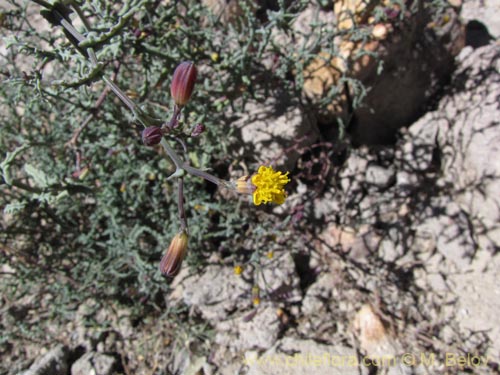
180, 205
172, 155
207, 176
123, 97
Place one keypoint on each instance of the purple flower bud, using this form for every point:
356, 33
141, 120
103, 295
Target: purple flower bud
183, 82
151, 136
391, 13
197, 130
137, 33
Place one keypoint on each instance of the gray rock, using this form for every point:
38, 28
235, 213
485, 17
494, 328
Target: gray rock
245, 332
187, 363
279, 278
478, 294
485, 11
303, 25
420, 142
458, 144
449, 231
406, 179
54, 362
292, 356
275, 131
352, 175
218, 292
325, 206
462, 222
215, 293
228, 11
315, 320
470, 234
379, 176
318, 295
358, 243
94, 363
469, 142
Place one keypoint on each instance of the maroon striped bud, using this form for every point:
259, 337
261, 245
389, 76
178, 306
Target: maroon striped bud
170, 264
183, 82
391, 13
152, 136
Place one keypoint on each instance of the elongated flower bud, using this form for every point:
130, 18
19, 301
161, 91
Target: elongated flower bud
183, 82
151, 136
170, 264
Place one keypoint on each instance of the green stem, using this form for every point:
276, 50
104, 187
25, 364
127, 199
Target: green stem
121, 95
207, 176
172, 154
180, 205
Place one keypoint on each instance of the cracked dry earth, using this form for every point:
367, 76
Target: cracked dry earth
393, 269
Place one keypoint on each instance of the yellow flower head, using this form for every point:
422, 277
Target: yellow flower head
269, 186
238, 270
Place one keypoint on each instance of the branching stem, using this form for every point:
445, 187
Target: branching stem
176, 159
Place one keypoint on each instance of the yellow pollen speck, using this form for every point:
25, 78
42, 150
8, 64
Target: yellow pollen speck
255, 295
238, 270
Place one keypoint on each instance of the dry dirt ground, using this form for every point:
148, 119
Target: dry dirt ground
395, 268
